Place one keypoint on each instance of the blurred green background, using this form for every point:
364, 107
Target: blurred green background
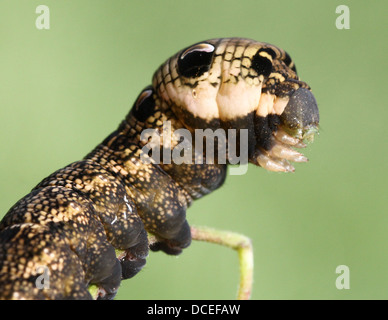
63, 90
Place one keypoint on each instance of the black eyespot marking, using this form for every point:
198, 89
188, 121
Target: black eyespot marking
269, 51
196, 60
261, 64
144, 105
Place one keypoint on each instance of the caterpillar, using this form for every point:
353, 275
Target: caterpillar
71, 223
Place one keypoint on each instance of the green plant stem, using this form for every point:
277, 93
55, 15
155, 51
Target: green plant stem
237, 242
229, 239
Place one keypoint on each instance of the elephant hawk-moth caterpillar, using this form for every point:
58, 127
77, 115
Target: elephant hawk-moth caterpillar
72, 222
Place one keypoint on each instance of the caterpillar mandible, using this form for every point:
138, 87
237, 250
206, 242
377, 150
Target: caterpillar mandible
72, 221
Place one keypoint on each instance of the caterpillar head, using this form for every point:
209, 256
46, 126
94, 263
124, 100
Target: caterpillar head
236, 83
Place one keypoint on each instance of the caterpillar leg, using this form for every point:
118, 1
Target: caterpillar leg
134, 259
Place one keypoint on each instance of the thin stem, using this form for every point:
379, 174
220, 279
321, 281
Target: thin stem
235, 241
